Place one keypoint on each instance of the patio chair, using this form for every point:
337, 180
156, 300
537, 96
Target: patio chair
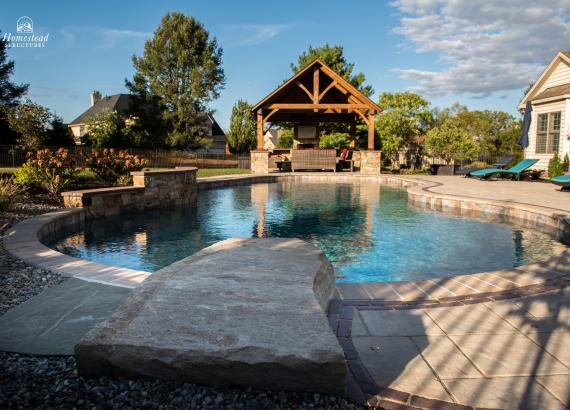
515, 172
345, 161
563, 181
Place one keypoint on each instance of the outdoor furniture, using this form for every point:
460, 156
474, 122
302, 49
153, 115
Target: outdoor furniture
562, 181
283, 166
502, 163
345, 161
313, 159
514, 172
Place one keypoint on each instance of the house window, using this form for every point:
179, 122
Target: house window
548, 133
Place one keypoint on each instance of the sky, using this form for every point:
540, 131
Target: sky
480, 53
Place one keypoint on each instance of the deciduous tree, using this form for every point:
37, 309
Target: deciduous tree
404, 118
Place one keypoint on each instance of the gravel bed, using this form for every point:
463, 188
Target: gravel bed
52, 382
18, 280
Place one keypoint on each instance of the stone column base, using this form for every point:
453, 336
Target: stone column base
259, 162
370, 162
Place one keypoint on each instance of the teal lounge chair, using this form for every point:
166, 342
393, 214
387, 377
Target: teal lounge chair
515, 171
563, 181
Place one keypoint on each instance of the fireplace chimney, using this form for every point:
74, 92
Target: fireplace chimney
95, 96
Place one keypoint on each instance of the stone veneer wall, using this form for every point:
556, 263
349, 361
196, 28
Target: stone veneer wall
151, 189
259, 162
370, 162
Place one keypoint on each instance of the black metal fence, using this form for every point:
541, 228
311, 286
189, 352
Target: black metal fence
10, 156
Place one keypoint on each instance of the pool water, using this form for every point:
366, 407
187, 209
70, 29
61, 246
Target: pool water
367, 231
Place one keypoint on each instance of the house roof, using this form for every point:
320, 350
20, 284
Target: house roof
117, 102
121, 103
553, 92
561, 56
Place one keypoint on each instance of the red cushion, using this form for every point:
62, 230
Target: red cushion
343, 154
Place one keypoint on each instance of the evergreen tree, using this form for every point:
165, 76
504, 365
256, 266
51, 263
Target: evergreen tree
242, 135
10, 93
333, 56
181, 70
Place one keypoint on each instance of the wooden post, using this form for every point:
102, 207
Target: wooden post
316, 87
371, 132
259, 130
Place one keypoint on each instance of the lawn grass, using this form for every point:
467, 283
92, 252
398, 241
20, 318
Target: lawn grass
211, 172
86, 173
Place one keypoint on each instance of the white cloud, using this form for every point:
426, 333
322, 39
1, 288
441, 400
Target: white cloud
112, 37
106, 37
485, 45
253, 34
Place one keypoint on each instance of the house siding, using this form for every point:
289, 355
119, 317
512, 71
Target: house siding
564, 147
559, 76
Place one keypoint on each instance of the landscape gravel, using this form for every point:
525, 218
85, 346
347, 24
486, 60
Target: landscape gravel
18, 280
51, 382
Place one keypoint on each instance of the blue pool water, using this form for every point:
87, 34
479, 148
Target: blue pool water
368, 232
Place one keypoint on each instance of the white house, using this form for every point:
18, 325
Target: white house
270, 139
549, 130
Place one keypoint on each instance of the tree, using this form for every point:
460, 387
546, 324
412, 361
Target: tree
336, 140
333, 56
105, 129
30, 121
404, 117
181, 70
450, 141
10, 93
286, 138
242, 135
58, 135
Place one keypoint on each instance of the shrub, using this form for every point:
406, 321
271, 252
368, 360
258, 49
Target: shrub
555, 166
51, 170
566, 163
286, 139
10, 193
335, 140
28, 176
111, 165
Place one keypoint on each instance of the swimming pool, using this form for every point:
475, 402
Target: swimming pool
367, 231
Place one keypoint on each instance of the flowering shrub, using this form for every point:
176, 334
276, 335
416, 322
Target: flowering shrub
52, 170
113, 165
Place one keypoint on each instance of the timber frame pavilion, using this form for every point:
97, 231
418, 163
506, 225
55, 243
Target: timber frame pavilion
316, 94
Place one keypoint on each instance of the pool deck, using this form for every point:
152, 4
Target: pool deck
493, 339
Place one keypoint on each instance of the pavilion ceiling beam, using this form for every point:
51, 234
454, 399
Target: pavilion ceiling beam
302, 87
331, 85
287, 106
268, 116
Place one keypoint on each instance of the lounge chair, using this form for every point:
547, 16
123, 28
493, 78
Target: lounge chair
563, 181
500, 164
515, 172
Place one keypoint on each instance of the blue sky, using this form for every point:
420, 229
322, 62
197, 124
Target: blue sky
474, 52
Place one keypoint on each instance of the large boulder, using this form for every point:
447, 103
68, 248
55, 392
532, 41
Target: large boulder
242, 312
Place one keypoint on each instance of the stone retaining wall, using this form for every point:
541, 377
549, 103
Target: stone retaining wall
151, 189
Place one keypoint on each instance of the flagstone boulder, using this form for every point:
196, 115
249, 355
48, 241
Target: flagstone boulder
242, 312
